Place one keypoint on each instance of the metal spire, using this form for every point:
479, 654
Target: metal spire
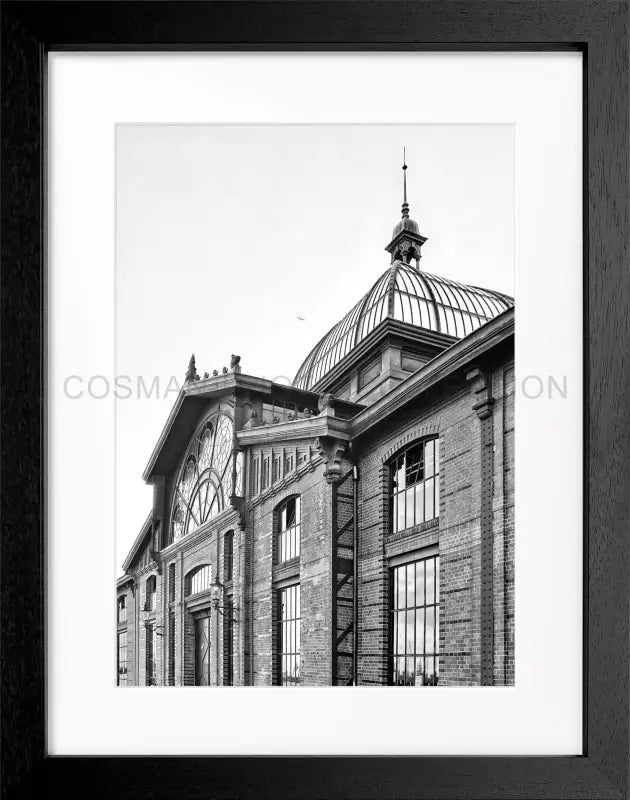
405, 205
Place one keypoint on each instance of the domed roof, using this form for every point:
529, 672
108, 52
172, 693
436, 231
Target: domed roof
406, 224
406, 294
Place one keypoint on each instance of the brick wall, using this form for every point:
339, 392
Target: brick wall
469, 623
312, 570
458, 533
127, 627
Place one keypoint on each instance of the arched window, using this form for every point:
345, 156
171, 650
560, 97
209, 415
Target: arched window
122, 609
288, 518
204, 484
198, 580
228, 556
415, 485
150, 597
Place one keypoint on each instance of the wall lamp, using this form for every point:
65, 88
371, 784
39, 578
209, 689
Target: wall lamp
216, 596
146, 618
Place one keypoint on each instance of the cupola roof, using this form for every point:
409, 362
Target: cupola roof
406, 294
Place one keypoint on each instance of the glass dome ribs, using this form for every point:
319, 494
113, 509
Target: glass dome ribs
406, 294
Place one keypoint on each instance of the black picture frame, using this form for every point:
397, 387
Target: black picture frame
599, 30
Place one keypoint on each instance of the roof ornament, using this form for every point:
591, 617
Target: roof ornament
405, 205
326, 404
406, 240
191, 372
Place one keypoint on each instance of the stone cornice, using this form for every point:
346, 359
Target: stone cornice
123, 581
324, 424
450, 361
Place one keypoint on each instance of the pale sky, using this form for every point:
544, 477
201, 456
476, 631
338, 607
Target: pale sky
227, 234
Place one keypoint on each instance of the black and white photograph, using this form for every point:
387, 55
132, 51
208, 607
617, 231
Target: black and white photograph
269, 418
315, 413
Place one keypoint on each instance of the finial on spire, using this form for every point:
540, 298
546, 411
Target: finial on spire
406, 238
405, 205
191, 372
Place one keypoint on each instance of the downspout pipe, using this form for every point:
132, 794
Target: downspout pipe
355, 577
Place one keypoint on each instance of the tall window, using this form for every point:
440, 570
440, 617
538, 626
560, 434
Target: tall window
204, 484
228, 643
171, 583
288, 536
150, 600
150, 678
228, 556
415, 623
122, 658
415, 485
202, 651
171, 648
289, 635
198, 580
122, 610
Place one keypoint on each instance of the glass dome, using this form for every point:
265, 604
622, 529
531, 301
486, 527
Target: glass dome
406, 294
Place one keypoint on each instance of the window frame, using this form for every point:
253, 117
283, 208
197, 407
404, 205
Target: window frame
190, 577
394, 465
121, 606
202, 624
150, 593
295, 531
219, 477
171, 582
150, 678
119, 661
294, 632
228, 556
171, 650
393, 609
228, 642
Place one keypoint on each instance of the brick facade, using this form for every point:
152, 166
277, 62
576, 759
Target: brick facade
337, 460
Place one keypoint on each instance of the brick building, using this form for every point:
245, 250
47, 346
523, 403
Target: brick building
355, 527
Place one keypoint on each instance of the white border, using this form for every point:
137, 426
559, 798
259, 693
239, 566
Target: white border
540, 94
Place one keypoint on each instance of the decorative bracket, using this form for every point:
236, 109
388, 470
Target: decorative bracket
331, 450
238, 504
155, 555
482, 390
